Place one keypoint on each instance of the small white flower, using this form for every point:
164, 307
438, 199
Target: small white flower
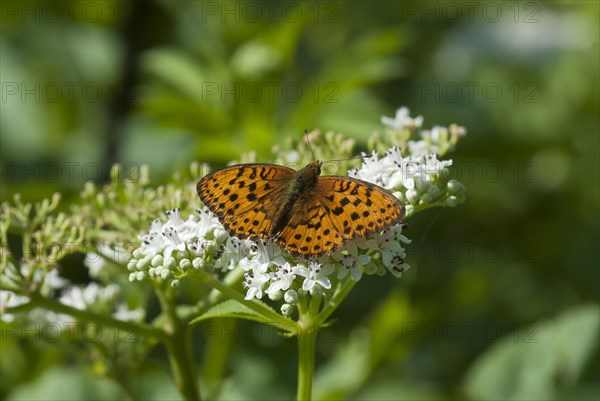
208, 223
314, 274
421, 148
256, 280
152, 244
433, 166
155, 226
407, 169
9, 299
436, 135
243, 247
374, 170
174, 242
395, 263
90, 295
281, 279
124, 314
96, 261
352, 262
402, 120
265, 253
174, 217
54, 281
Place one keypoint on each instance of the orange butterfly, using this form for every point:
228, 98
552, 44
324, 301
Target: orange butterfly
307, 214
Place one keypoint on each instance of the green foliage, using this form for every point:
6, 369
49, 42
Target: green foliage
230, 308
521, 253
545, 362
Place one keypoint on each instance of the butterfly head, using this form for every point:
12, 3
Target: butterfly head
314, 167
306, 178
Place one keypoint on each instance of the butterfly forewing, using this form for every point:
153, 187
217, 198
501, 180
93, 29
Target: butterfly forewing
246, 197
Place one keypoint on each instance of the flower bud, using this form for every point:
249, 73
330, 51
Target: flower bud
198, 263
454, 187
170, 263
157, 260
131, 265
412, 195
185, 264
290, 296
452, 201
287, 309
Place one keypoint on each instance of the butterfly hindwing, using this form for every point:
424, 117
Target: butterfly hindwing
356, 207
340, 209
310, 231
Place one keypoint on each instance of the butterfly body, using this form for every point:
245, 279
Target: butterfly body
304, 212
300, 188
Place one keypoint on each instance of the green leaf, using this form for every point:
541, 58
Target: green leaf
346, 370
232, 308
539, 362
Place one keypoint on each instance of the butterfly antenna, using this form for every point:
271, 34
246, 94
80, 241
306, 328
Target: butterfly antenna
308, 142
350, 158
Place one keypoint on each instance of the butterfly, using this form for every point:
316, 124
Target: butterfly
307, 214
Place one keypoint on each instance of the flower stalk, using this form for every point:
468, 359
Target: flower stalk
178, 343
307, 338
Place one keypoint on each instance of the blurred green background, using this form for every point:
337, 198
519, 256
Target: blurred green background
502, 302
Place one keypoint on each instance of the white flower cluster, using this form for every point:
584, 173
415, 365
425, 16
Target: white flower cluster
176, 246
92, 296
414, 174
415, 180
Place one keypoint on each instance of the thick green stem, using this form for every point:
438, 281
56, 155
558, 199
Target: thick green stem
182, 364
310, 322
179, 346
307, 337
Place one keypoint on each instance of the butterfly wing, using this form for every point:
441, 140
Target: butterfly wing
246, 197
341, 208
310, 231
357, 208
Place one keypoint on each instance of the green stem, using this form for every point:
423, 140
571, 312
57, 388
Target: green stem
336, 300
307, 337
88, 317
178, 343
310, 322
